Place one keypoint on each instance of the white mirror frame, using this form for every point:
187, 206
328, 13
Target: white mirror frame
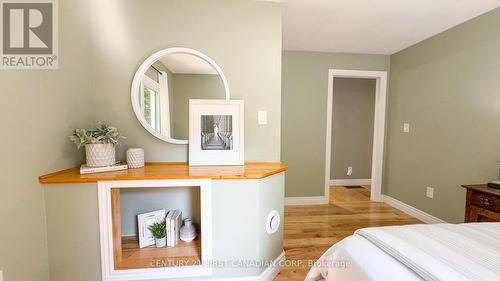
136, 86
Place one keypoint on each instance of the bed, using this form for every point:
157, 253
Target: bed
455, 252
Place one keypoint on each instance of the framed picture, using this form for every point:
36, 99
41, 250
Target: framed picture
143, 222
216, 132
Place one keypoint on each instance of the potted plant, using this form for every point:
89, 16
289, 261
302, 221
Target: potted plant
100, 143
159, 231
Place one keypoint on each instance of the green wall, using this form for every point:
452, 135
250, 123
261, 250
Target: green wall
303, 104
136, 201
242, 36
38, 109
447, 88
353, 116
73, 232
192, 86
101, 45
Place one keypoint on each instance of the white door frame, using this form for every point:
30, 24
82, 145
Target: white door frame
379, 127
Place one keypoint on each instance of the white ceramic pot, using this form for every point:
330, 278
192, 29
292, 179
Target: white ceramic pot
100, 154
135, 157
188, 232
160, 243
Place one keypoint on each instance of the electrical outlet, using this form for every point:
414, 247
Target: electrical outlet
262, 117
1, 275
349, 171
429, 192
406, 127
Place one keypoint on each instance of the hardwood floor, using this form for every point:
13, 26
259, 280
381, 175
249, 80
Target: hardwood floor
311, 230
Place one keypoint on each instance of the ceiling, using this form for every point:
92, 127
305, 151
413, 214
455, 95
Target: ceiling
180, 63
372, 26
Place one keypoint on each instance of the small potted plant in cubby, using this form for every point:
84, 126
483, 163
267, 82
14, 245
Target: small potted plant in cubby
99, 143
159, 231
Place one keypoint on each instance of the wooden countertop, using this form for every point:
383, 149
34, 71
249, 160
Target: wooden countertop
483, 188
170, 170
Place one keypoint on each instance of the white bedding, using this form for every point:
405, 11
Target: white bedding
414, 252
365, 262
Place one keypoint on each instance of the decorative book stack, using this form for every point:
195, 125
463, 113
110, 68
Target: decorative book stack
174, 223
84, 169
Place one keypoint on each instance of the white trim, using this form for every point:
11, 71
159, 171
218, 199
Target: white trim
349, 182
164, 118
271, 272
267, 275
379, 126
412, 211
147, 82
142, 70
313, 200
150, 83
329, 126
106, 232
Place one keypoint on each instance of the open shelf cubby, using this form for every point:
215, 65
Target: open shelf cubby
127, 203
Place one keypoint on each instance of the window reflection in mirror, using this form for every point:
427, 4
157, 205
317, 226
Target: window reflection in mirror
169, 84
151, 110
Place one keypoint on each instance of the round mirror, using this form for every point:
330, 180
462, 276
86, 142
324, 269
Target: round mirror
163, 86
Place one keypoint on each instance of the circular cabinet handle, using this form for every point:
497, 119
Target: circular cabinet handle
273, 222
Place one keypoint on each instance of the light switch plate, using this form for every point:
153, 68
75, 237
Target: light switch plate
406, 127
262, 117
1, 275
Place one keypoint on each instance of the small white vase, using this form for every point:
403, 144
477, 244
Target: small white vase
188, 232
160, 243
100, 154
135, 157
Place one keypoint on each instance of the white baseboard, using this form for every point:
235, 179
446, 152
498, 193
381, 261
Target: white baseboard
271, 272
313, 200
348, 182
266, 275
412, 211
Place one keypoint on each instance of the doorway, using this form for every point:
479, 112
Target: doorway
377, 143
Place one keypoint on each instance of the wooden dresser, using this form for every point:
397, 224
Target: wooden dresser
482, 204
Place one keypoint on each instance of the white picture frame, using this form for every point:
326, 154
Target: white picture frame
216, 132
143, 222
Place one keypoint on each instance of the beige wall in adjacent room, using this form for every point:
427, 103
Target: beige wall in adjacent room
447, 88
353, 115
303, 120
